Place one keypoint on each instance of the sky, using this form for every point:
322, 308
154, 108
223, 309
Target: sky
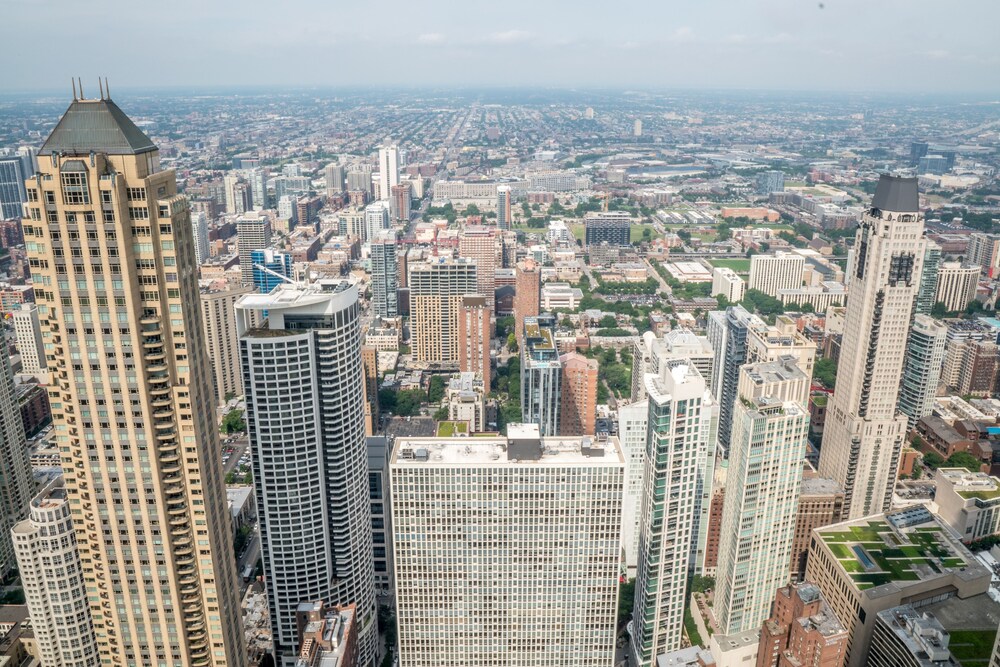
940, 46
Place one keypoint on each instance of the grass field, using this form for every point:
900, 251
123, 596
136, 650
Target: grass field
972, 647
741, 266
635, 233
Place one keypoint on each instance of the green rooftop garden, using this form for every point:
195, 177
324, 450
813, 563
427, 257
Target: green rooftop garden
874, 554
981, 495
450, 429
819, 400
972, 647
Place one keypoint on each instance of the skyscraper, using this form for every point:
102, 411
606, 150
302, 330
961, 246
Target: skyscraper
135, 419
770, 427
633, 424
384, 274
258, 188
437, 287
310, 471
922, 369
578, 388
399, 202
504, 215
520, 563
770, 181
218, 318
199, 231
376, 219
956, 285
527, 295
12, 192
252, 233
388, 169
15, 483
480, 244
270, 268
771, 273
474, 334
680, 434
864, 432
541, 375
928, 279
727, 334
28, 330
335, 175
53, 579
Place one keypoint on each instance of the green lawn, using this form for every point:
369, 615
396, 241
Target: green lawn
741, 266
635, 233
448, 429
972, 647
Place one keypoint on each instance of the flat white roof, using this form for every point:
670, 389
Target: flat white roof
556, 450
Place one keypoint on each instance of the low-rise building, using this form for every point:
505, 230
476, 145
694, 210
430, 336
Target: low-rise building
466, 398
327, 637
802, 630
560, 296
969, 502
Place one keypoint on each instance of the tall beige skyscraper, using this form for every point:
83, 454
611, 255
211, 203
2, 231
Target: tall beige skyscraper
218, 318
864, 431
437, 288
480, 244
111, 248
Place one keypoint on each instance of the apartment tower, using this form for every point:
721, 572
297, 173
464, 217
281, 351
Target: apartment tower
527, 295
578, 409
28, 330
504, 200
864, 432
480, 244
218, 317
922, 368
304, 387
384, 274
112, 248
388, 169
437, 288
475, 330
252, 233
541, 375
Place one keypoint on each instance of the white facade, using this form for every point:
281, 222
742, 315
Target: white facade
199, 230
956, 285
28, 330
633, 427
969, 502
376, 220
506, 549
727, 283
680, 436
560, 295
388, 169
53, 581
770, 273
864, 432
768, 441
504, 203
252, 233
922, 370
303, 382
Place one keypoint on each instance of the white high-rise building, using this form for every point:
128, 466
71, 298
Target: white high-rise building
956, 285
304, 388
771, 273
28, 330
504, 204
252, 233
385, 274
633, 427
681, 423
922, 370
770, 427
376, 219
507, 549
258, 188
864, 432
199, 229
727, 283
53, 581
388, 169
650, 352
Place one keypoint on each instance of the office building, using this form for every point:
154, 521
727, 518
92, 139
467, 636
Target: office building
821, 502
772, 273
927, 293
864, 432
480, 244
681, 424
527, 295
437, 287
335, 179
857, 566
504, 203
199, 231
633, 421
728, 284
270, 269
381, 511
475, 330
727, 334
956, 285
801, 630
611, 227
158, 448
578, 386
28, 330
252, 233
53, 580
376, 220
969, 502
384, 274
541, 375
768, 441
218, 319
533, 583
388, 169
922, 368
918, 149
12, 192
770, 181
933, 164
313, 508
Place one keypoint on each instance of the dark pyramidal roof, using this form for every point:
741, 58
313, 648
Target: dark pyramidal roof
896, 194
98, 126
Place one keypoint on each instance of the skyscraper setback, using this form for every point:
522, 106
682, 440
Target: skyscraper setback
864, 432
135, 419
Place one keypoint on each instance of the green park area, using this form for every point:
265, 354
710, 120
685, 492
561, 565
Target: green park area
741, 266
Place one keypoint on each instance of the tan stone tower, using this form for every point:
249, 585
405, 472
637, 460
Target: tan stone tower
112, 258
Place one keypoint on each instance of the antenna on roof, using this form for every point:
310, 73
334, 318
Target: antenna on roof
80, 81
100, 87
73, 81
107, 88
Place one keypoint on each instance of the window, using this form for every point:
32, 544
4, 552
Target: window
135, 193
138, 213
74, 187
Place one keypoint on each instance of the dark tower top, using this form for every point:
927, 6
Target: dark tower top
896, 194
96, 126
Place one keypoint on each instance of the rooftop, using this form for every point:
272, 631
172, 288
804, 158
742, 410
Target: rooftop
896, 194
896, 548
817, 486
970, 485
99, 126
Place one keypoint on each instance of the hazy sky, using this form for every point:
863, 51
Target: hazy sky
894, 45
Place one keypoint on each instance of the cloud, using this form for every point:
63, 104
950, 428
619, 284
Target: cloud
431, 38
510, 37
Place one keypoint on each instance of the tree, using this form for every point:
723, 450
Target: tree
512, 342
387, 400
963, 460
933, 460
233, 422
825, 371
607, 321
701, 584
441, 414
435, 389
408, 402
626, 600
973, 307
939, 310
472, 209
